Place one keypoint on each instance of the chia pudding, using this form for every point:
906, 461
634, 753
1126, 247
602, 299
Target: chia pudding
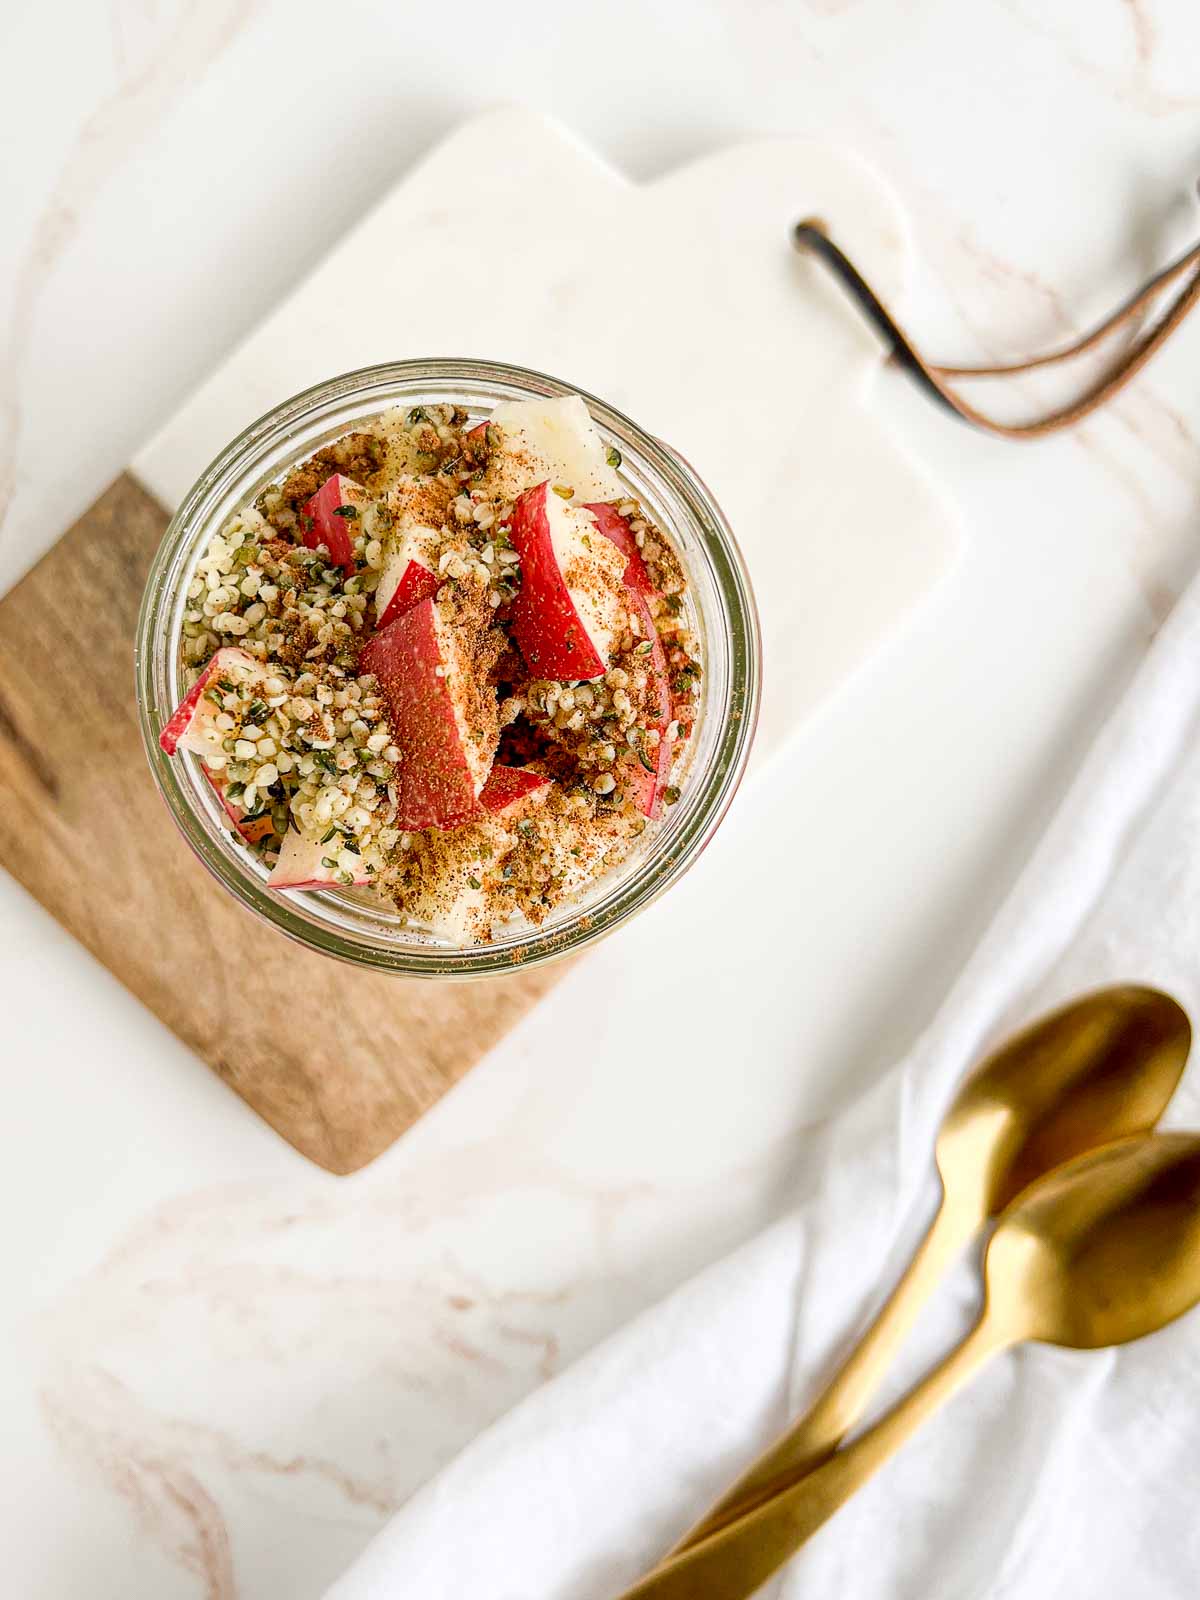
446, 661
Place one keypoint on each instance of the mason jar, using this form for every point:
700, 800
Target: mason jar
357, 925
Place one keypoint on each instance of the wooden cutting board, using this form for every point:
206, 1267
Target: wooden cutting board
340, 1062
679, 302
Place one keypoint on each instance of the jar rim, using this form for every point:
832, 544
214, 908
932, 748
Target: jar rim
673, 848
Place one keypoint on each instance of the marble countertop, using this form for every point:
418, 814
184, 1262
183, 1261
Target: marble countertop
219, 1369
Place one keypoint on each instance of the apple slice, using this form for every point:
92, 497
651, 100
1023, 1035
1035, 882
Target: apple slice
568, 613
192, 725
452, 890
408, 576
616, 527
258, 828
304, 864
653, 771
443, 715
508, 786
405, 583
332, 516
554, 439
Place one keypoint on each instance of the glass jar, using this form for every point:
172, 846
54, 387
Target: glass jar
357, 925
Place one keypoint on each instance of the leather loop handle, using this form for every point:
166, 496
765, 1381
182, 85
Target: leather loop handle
811, 237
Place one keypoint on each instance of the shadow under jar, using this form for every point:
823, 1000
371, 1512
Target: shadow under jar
358, 925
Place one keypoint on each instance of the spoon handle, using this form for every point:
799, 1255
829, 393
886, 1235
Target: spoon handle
816, 1435
734, 1562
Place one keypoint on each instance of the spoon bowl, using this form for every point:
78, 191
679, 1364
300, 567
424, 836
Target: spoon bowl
1100, 1069
1103, 1251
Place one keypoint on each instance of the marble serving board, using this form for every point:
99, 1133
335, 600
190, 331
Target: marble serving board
680, 302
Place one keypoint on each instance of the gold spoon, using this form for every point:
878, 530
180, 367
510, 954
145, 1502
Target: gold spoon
1105, 1250
1100, 1069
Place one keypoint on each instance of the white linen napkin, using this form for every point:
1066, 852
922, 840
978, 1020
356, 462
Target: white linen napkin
1056, 1472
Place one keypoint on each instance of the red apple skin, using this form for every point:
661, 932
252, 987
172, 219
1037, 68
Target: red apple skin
434, 786
178, 725
219, 783
616, 527
647, 787
416, 584
320, 523
507, 785
182, 716
549, 630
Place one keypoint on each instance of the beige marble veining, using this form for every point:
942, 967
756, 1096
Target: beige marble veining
349, 1313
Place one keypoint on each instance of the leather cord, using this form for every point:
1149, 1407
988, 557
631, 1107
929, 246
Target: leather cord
811, 237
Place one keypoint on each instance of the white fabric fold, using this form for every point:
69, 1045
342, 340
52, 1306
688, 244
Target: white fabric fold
1056, 1473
